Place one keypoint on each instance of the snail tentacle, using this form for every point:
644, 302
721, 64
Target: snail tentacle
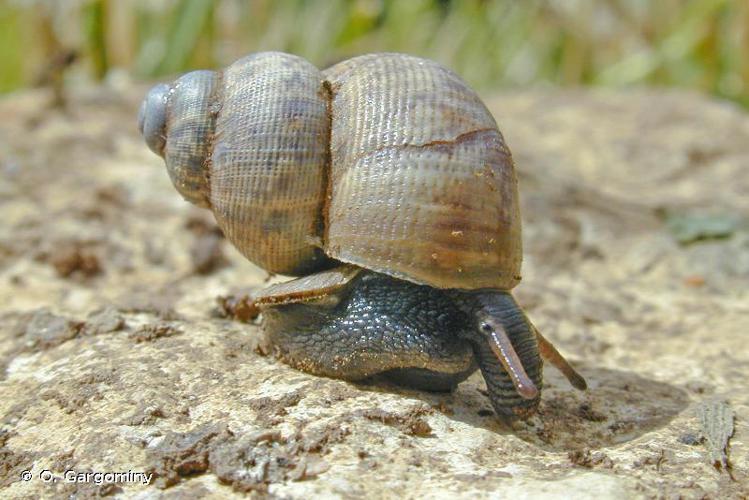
500, 344
550, 354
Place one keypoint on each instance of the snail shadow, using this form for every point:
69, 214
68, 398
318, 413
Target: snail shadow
618, 406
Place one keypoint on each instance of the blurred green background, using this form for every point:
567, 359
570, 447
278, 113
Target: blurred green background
699, 44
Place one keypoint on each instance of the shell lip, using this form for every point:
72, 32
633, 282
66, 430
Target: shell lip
496, 281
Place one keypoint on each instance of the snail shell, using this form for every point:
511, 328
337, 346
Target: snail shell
386, 161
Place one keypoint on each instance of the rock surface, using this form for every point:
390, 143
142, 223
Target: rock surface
116, 353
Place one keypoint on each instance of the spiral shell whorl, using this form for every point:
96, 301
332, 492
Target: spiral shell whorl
177, 123
269, 161
191, 117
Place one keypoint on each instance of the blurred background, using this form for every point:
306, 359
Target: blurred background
699, 44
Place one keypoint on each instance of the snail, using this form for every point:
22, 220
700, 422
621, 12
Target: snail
385, 185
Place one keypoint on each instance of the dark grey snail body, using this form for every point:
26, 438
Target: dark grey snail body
414, 335
386, 163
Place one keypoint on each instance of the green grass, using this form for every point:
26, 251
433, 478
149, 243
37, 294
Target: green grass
698, 44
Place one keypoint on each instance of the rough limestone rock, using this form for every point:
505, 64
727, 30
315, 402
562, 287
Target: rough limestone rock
121, 347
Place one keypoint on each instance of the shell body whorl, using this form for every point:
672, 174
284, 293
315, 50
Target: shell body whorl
423, 185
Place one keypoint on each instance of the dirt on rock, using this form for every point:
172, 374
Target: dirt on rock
114, 356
